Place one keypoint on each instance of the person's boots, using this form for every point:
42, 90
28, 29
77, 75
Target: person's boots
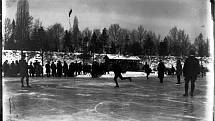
22, 82
27, 81
186, 90
117, 85
192, 89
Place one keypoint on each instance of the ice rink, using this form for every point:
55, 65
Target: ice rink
96, 99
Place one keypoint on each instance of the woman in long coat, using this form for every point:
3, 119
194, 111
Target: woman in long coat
161, 69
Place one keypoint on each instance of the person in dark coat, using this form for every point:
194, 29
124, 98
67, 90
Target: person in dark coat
53, 68
37, 68
31, 70
6, 68
79, 68
24, 71
65, 69
17, 67
59, 69
161, 69
178, 71
147, 70
117, 73
13, 68
190, 71
40, 69
76, 68
71, 69
48, 69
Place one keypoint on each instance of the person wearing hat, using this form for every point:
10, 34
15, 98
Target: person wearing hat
24, 71
191, 70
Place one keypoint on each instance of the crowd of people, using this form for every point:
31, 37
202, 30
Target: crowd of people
34, 69
190, 70
58, 69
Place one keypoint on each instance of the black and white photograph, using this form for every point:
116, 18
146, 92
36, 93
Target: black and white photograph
107, 60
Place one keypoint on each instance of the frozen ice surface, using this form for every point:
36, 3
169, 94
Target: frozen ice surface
96, 99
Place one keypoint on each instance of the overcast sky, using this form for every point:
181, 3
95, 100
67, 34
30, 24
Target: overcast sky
156, 15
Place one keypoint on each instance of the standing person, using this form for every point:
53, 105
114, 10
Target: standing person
147, 70
31, 70
48, 69
6, 68
178, 71
59, 69
24, 71
65, 69
190, 71
71, 69
161, 69
76, 68
17, 67
36, 66
13, 68
53, 68
117, 73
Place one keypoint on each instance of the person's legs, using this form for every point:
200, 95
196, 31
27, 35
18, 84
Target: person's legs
161, 79
115, 79
27, 81
178, 79
186, 87
147, 75
192, 87
22, 78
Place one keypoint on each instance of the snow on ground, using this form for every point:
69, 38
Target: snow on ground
127, 74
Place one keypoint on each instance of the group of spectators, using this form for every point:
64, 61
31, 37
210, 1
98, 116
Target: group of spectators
56, 70
10, 69
74, 69
34, 69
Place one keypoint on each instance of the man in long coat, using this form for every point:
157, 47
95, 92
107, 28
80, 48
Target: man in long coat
190, 71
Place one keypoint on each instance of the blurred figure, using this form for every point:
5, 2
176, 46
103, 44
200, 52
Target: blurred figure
190, 71
178, 71
40, 69
117, 73
53, 68
48, 69
31, 70
37, 68
17, 67
24, 71
13, 68
59, 69
172, 70
147, 70
161, 69
65, 69
71, 69
6, 68
79, 68
85, 68
94, 72
76, 68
